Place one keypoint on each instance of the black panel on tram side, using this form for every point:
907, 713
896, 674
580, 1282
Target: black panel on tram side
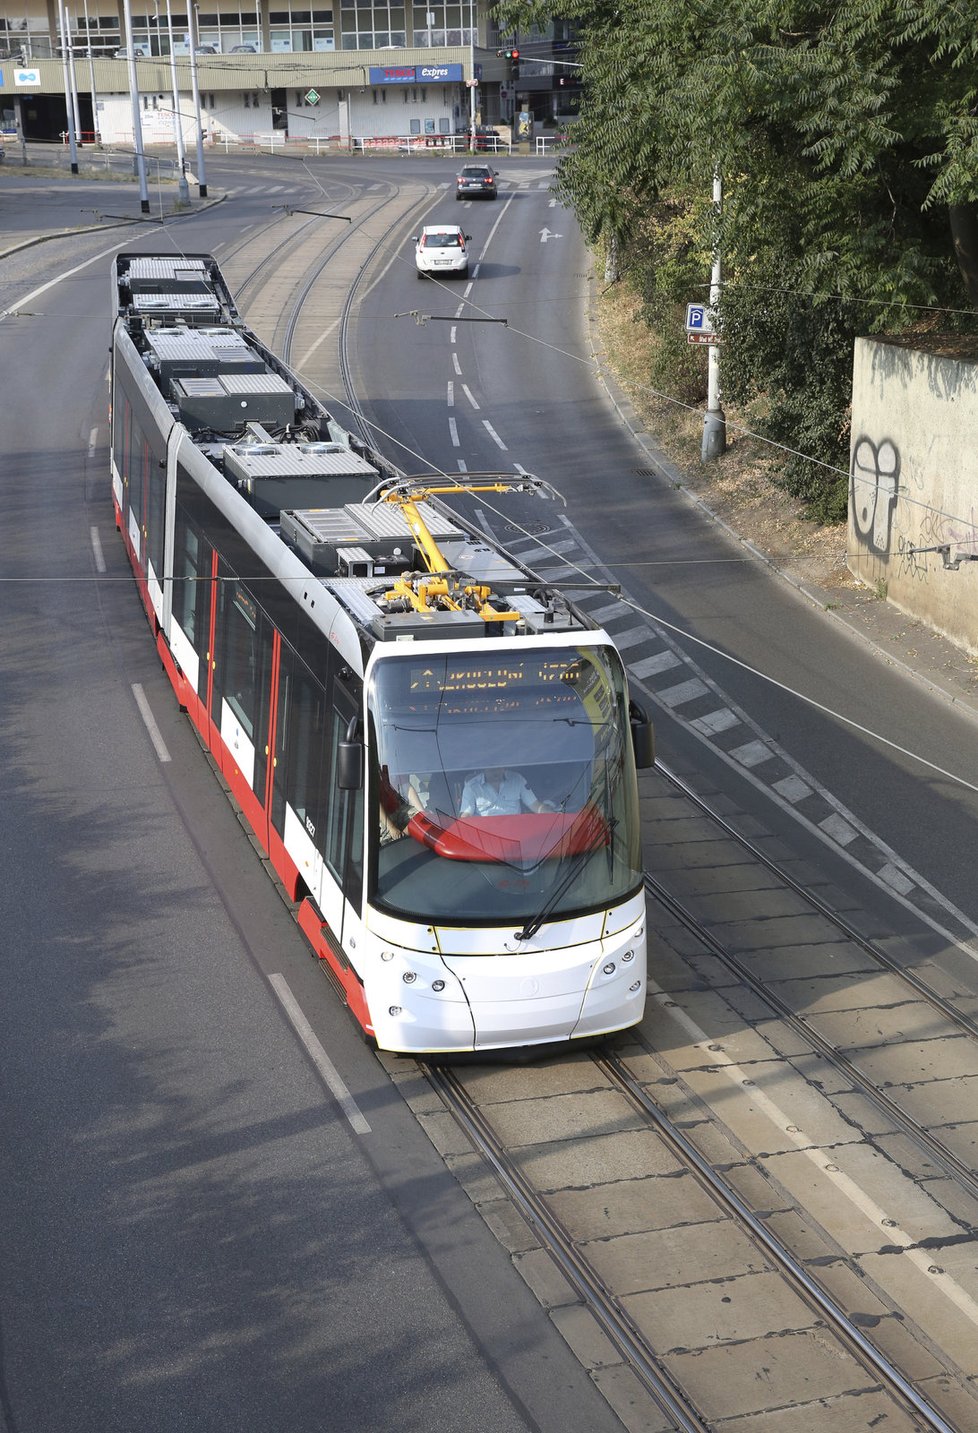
252, 603
140, 455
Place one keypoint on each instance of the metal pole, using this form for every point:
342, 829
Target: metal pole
194, 41
183, 193
20, 130
91, 79
137, 127
73, 77
714, 422
69, 114
472, 84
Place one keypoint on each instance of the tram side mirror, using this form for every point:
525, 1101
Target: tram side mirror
643, 736
349, 760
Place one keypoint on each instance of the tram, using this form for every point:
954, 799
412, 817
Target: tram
436, 751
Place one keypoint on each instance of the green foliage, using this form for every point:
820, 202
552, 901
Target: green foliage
842, 134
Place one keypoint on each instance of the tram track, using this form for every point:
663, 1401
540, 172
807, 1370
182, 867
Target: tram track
306, 286
632, 1319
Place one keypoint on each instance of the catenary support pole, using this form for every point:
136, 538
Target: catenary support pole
714, 422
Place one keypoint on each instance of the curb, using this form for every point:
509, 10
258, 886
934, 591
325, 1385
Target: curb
45, 238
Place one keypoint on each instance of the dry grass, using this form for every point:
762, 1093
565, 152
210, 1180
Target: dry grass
740, 486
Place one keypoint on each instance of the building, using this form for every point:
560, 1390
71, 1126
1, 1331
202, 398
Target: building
362, 72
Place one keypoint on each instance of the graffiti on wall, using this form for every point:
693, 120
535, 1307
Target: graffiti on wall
874, 482
919, 529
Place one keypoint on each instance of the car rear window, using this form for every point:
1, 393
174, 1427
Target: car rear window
442, 241
470, 172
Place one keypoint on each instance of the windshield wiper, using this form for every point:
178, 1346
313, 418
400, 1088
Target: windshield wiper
532, 926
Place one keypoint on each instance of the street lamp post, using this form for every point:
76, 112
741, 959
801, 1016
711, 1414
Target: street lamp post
194, 41
73, 77
69, 108
183, 192
473, 83
96, 135
137, 126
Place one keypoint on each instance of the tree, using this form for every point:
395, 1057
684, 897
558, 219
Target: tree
847, 137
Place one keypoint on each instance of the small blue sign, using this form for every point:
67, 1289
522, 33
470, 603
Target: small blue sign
699, 319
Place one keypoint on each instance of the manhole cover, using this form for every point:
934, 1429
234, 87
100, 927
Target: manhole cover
531, 527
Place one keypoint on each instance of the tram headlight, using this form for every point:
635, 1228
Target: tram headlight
629, 955
635, 986
394, 1010
438, 985
409, 977
387, 955
608, 969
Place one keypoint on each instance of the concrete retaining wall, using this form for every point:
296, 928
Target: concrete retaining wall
913, 484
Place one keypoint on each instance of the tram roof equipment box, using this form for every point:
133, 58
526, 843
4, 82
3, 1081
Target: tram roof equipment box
298, 475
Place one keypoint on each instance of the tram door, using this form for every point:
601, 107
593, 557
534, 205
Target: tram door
241, 690
344, 830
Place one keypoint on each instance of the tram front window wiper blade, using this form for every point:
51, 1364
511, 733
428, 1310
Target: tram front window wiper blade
563, 886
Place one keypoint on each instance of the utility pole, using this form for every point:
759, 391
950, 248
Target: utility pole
714, 422
183, 193
91, 80
73, 77
195, 86
472, 80
69, 111
137, 125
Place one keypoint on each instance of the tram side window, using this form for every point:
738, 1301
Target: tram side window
244, 655
304, 741
191, 568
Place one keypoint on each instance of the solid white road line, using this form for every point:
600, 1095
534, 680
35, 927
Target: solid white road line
318, 1055
155, 735
97, 549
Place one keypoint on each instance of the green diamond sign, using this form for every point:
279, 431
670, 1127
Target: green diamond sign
312, 97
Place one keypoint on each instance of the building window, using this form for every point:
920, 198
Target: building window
450, 25
377, 26
303, 30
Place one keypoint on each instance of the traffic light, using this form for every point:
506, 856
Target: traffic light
513, 57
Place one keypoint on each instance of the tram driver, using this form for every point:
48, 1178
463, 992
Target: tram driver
499, 791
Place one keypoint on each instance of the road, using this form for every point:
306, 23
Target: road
192, 1225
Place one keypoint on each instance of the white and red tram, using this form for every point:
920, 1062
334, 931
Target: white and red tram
357, 658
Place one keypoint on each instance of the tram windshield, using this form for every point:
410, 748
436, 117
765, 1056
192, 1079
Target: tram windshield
504, 785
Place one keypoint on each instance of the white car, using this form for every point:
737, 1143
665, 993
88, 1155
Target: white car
440, 249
